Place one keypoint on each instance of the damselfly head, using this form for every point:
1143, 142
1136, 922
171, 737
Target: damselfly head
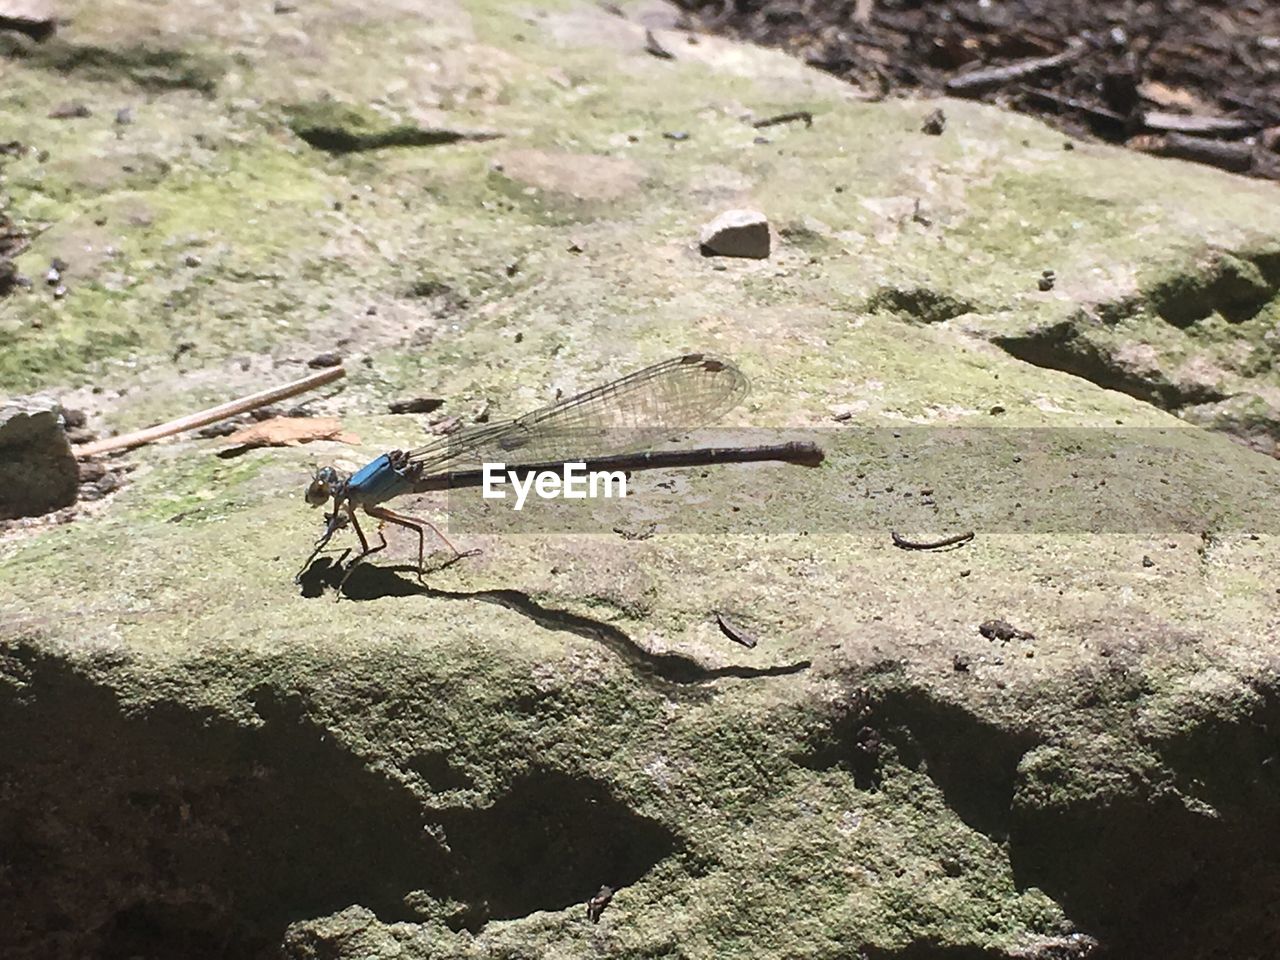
324, 484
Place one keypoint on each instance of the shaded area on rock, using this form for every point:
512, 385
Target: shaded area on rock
342, 128
972, 760
162, 829
149, 68
1194, 846
38, 472
35, 18
736, 233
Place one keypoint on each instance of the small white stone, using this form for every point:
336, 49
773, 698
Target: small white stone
737, 233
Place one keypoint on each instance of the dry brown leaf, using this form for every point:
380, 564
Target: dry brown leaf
291, 431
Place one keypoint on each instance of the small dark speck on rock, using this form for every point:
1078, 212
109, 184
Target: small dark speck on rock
934, 123
59, 292
996, 410
1045, 284
1148, 562
960, 663
191, 260
676, 135
1068, 145
69, 111
370, 311
320, 360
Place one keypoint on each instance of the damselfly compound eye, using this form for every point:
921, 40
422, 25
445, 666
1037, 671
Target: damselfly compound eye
318, 492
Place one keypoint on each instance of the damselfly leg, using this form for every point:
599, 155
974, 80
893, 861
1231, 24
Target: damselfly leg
420, 527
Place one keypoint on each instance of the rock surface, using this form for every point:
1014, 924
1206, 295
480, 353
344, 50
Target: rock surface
38, 472
202, 759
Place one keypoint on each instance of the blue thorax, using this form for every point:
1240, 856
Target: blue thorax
375, 482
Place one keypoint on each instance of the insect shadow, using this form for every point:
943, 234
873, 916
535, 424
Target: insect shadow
367, 581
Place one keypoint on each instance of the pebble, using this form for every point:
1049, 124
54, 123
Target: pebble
737, 233
321, 360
